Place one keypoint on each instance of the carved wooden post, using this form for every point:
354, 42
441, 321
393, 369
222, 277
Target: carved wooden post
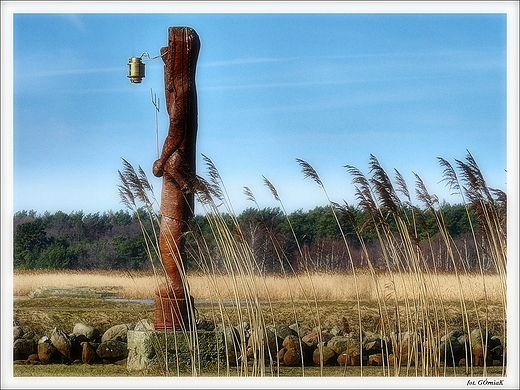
176, 165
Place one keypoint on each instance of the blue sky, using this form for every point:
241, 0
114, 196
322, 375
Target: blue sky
329, 86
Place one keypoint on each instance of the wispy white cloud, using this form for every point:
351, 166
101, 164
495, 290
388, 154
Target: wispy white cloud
76, 21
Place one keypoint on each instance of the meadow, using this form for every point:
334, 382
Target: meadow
327, 287
409, 306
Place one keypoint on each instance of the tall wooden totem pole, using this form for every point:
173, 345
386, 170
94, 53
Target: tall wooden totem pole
176, 165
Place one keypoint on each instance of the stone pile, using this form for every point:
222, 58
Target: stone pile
84, 345
280, 344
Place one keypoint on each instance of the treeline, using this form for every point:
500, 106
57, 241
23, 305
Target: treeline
79, 241
301, 240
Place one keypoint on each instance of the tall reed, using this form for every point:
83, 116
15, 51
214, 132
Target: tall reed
412, 311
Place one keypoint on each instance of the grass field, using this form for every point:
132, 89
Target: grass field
327, 287
281, 301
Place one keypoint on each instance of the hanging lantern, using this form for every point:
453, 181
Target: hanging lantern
135, 70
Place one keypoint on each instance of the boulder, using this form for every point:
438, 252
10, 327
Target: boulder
117, 332
339, 344
33, 359
324, 355
350, 357
144, 325
300, 332
375, 359
88, 353
292, 341
451, 351
292, 357
112, 349
279, 355
29, 335
17, 332
313, 338
25, 347
89, 332
266, 340
62, 342
231, 338
282, 331
46, 351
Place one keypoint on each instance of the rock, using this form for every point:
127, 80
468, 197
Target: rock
323, 354
231, 338
89, 332
17, 332
454, 334
46, 351
497, 353
33, 359
339, 344
266, 340
313, 338
335, 331
205, 324
292, 357
62, 342
117, 332
29, 335
144, 325
451, 351
88, 353
25, 347
291, 341
112, 349
345, 327
300, 332
350, 357
372, 347
282, 331
479, 337
375, 359
279, 355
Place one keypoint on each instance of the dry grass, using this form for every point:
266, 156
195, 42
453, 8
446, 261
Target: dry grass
327, 287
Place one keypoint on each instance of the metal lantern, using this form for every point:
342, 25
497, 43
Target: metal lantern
135, 70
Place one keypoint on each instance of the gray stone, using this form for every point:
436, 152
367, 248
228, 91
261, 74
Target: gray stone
25, 347
479, 337
144, 324
300, 331
112, 349
231, 340
90, 333
282, 331
336, 331
339, 344
264, 340
29, 335
153, 349
117, 332
324, 355
17, 332
62, 342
